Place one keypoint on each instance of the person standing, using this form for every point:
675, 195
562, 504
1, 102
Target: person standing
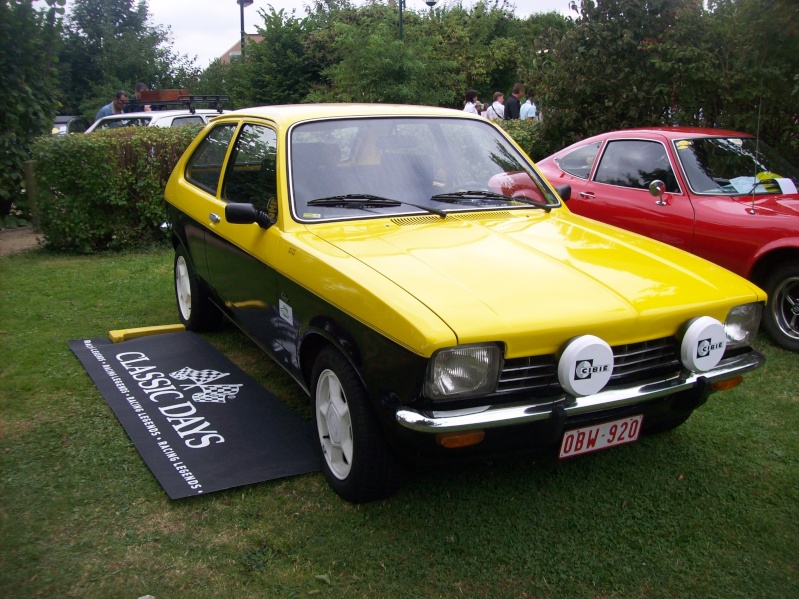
116, 106
496, 112
513, 106
136, 105
471, 101
528, 108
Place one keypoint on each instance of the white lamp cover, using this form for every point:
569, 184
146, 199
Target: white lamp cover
585, 366
703, 344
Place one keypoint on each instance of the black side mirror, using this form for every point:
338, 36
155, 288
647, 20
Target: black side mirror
564, 191
246, 214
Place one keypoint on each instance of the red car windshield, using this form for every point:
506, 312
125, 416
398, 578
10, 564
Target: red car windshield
735, 166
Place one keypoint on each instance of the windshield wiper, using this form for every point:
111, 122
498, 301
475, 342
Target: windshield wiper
455, 197
366, 200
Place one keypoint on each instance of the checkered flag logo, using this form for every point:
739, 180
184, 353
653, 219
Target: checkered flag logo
217, 393
201, 378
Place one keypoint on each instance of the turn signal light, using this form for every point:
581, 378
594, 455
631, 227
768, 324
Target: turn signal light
728, 384
455, 440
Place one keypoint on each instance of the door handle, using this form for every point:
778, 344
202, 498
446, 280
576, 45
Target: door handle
587, 195
214, 218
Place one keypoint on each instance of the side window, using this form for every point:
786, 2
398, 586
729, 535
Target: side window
580, 161
252, 171
129, 122
636, 163
78, 126
182, 121
205, 165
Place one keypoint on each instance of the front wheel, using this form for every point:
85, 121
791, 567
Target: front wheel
781, 319
356, 460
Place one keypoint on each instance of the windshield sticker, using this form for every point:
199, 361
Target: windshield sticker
744, 184
311, 215
684, 144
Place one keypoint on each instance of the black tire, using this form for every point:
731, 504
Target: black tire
195, 310
356, 460
781, 318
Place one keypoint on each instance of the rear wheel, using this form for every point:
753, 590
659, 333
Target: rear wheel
356, 460
195, 310
781, 319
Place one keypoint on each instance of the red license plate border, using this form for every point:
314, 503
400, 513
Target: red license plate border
637, 418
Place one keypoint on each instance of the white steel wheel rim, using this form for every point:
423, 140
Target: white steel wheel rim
334, 424
785, 305
183, 287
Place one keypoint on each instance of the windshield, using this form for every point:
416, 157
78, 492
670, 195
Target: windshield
377, 167
735, 166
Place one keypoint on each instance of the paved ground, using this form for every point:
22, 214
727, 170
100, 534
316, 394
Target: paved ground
14, 241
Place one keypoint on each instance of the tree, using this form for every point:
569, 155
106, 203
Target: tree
629, 63
279, 69
28, 41
110, 45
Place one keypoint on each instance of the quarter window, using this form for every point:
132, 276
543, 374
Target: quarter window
580, 161
636, 163
205, 166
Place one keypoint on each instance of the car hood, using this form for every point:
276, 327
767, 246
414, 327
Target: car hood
789, 204
534, 279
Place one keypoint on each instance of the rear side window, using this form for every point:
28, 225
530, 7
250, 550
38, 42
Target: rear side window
182, 121
636, 163
580, 161
126, 122
205, 165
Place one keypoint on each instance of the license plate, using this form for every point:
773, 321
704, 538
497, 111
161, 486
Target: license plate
600, 436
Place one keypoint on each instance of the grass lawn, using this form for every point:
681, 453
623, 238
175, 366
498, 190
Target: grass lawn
708, 510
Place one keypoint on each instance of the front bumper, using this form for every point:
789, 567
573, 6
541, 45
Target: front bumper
520, 413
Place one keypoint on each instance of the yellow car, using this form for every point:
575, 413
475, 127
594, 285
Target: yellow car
420, 279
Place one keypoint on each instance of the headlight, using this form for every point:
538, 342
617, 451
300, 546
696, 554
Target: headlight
742, 324
462, 371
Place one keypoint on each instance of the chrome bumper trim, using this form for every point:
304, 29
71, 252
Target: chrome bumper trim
519, 413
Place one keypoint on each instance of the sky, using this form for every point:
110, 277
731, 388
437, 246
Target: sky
206, 29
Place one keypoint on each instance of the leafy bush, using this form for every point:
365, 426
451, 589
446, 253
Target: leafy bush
529, 135
104, 190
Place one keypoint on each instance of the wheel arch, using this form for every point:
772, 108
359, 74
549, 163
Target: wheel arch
322, 332
766, 262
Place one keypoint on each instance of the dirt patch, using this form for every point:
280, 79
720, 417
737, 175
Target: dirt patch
14, 241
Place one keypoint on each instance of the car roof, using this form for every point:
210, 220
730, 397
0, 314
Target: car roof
160, 113
288, 114
677, 132
66, 118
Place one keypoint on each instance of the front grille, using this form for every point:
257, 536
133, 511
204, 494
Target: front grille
637, 362
632, 363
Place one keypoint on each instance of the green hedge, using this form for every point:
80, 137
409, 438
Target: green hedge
104, 190
531, 136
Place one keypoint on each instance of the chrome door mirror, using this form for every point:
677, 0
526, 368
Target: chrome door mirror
657, 188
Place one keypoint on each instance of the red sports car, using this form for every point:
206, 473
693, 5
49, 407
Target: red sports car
723, 195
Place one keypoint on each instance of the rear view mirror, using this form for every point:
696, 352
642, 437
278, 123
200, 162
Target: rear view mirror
657, 188
246, 214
